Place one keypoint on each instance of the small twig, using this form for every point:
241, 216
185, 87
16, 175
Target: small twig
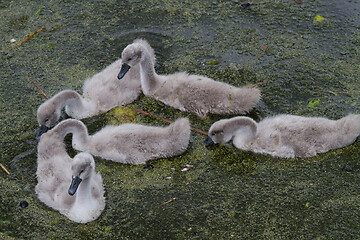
36, 85
31, 35
171, 200
149, 114
4, 169
332, 92
257, 84
199, 131
166, 120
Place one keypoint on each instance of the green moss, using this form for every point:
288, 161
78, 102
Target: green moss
120, 115
313, 103
214, 62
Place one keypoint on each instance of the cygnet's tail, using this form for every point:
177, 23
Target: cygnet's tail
179, 135
245, 99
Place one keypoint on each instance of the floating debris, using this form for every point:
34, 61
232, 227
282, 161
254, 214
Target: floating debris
187, 167
313, 103
318, 19
264, 48
12, 40
32, 34
4, 169
39, 10
24, 204
257, 84
171, 200
168, 178
37, 86
215, 62
245, 5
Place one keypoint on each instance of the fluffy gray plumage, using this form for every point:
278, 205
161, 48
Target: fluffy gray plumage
191, 93
101, 92
55, 170
287, 136
129, 143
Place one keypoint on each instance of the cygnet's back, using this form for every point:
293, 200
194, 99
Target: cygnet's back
202, 95
307, 136
135, 144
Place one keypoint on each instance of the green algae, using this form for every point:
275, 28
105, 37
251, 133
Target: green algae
313, 103
120, 115
213, 62
229, 194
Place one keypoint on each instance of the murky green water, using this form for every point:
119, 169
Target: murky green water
312, 69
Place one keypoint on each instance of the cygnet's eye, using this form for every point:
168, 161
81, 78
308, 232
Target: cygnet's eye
129, 59
81, 171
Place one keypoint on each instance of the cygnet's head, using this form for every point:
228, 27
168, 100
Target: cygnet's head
223, 130
131, 56
48, 114
219, 132
83, 166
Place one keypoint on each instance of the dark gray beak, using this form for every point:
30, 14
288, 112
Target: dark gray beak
208, 141
124, 69
74, 185
41, 130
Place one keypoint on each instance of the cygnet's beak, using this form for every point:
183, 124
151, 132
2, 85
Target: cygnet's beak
208, 141
41, 130
74, 185
124, 68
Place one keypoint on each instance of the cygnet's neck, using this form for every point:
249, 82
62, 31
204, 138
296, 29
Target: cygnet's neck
83, 193
84, 206
78, 130
148, 76
64, 98
244, 131
75, 105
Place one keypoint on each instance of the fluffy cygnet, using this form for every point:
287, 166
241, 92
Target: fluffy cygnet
191, 93
68, 185
128, 143
287, 136
101, 92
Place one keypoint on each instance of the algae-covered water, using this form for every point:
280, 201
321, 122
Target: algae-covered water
306, 51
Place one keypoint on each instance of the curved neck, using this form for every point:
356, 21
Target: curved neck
74, 104
148, 76
244, 130
76, 127
66, 97
241, 122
